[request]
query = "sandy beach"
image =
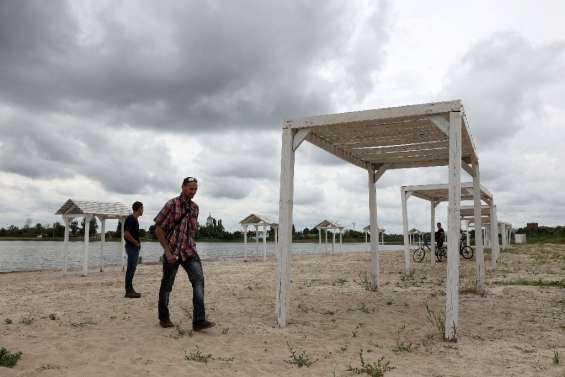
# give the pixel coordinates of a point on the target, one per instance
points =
(68, 325)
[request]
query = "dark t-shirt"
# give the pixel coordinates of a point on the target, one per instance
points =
(132, 226)
(440, 235)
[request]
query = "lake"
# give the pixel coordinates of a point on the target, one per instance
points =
(49, 255)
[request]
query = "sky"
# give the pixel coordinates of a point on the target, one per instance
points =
(119, 101)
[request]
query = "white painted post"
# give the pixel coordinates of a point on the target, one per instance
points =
(454, 224)
(122, 222)
(340, 241)
(326, 243)
(404, 199)
(433, 205)
(66, 244)
(375, 268)
(504, 235)
(320, 240)
(479, 250)
(333, 242)
(285, 224)
(276, 235)
(102, 240)
(264, 243)
(367, 241)
(467, 233)
(256, 240)
(86, 239)
(495, 248)
(245, 241)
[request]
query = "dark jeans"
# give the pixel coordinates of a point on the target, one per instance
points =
(133, 255)
(193, 268)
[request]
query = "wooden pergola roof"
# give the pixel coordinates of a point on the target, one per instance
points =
(327, 224)
(468, 211)
(77, 208)
(255, 219)
(396, 137)
(440, 192)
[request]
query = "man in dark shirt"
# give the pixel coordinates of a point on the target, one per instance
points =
(133, 245)
(175, 227)
(440, 235)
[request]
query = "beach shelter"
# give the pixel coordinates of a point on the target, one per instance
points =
(87, 210)
(258, 222)
(437, 193)
(333, 228)
(415, 236)
(367, 231)
(415, 136)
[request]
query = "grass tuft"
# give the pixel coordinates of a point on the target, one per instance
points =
(533, 282)
(556, 357)
(374, 369)
(436, 320)
(299, 359)
(8, 359)
(198, 356)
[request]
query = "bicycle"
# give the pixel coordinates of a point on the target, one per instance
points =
(465, 251)
(419, 253)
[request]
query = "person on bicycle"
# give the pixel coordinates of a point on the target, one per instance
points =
(440, 236)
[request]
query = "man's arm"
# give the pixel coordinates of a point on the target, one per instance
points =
(160, 233)
(129, 237)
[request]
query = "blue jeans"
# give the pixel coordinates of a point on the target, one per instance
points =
(193, 268)
(133, 255)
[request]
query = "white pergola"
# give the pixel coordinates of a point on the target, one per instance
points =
(333, 227)
(258, 222)
(367, 231)
(433, 134)
(414, 238)
(437, 193)
(489, 223)
(87, 210)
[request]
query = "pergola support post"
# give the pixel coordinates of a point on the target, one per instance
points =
(122, 222)
(495, 248)
(375, 268)
(333, 242)
(479, 250)
(66, 243)
(264, 243)
(433, 205)
(245, 241)
(320, 240)
(454, 225)
(102, 241)
(285, 224)
(404, 198)
(86, 240)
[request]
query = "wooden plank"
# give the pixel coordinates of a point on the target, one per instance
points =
(375, 268)
(102, 241)
(384, 141)
(454, 224)
(66, 243)
(314, 139)
(404, 198)
(86, 239)
(379, 173)
(122, 221)
(402, 148)
(285, 228)
(494, 237)
(441, 123)
(300, 137)
(378, 114)
(479, 252)
(433, 205)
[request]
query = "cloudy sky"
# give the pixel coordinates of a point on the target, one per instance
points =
(109, 101)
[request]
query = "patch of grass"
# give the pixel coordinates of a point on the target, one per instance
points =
(301, 359)
(473, 291)
(400, 345)
(8, 359)
(555, 357)
(533, 282)
(366, 282)
(182, 331)
(374, 369)
(225, 330)
(53, 317)
(8, 321)
(198, 356)
(436, 320)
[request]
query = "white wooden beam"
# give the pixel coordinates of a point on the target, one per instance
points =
(404, 198)
(495, 248)
(441, 123)
(467, 168)
(86, 240)
(245, 242)
(379, 173)
(454, 225)
(122, 222)
(317, 141)
(479, 251)
(66, 243)
(285, 227)
(102, 241)
(299, 137)
(375, 267)
(433, 205)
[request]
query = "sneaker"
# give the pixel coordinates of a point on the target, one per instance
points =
(132, 295)
(202, 325)
(166, 324)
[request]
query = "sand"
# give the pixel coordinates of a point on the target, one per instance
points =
(68, 325)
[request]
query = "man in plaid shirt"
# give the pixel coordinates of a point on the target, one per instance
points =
(175, 227)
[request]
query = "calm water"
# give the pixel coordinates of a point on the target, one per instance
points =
(45, 255)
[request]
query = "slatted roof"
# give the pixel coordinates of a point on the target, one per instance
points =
(256, 219)
(327, 224)
(468, 211)
(396, 137)
(107, 210)
(440, 192)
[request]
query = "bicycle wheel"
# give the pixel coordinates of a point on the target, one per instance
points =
(441, 254)
(419, 254)
(467, 252)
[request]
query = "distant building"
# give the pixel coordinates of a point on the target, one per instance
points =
(210, 220)
(532, 226)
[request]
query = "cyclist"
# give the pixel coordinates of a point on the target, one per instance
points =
(440, 236)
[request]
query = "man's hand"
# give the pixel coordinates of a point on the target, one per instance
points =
(170, 257)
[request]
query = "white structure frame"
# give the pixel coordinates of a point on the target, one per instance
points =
(488, 216)
(434, 134)
(259, 222)
(437, 193)
(367, 231)
(87, 210)
(332, 227)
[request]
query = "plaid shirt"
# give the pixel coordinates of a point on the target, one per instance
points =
(181, 238)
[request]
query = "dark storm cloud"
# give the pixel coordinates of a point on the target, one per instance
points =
(185, 66)
(501, 81)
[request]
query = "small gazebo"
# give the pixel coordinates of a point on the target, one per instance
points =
(415, 237)
(333, 227)
(258, 222)
(88, 210)
(381, 231)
